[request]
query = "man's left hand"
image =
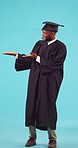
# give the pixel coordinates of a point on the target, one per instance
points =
(33, 55)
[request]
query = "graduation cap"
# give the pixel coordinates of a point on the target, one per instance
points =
(51, 26)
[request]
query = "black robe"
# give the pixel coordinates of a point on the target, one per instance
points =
(44, 82)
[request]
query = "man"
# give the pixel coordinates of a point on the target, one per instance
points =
(46, 73)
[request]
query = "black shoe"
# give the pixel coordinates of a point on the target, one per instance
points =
(30, 142)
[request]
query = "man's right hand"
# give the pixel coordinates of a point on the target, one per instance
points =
(10, 53)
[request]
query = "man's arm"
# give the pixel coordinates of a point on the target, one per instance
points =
(20, 63)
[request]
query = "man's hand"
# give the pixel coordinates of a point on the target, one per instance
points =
(10, 53)
(32, 55)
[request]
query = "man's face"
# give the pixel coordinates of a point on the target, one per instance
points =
(46, 35)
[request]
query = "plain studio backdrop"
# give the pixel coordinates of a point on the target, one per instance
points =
(20, 28)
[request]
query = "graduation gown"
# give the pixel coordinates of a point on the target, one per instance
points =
(44, 82)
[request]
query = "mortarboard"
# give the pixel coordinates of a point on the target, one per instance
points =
(51, 26)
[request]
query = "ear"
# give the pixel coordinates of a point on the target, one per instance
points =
(52, 33)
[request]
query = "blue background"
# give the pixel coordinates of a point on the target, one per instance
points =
(20, 28)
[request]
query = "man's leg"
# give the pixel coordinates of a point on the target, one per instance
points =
(51, 134)
(52, 138)
(32, 132)
(32, 136)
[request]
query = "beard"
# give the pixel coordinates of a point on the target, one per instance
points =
(48, 38)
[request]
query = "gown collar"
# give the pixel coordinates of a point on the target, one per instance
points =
(52, 41)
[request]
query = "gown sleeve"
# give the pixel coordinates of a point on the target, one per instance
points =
(22, 63)
(25, 63)
(54, 61)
